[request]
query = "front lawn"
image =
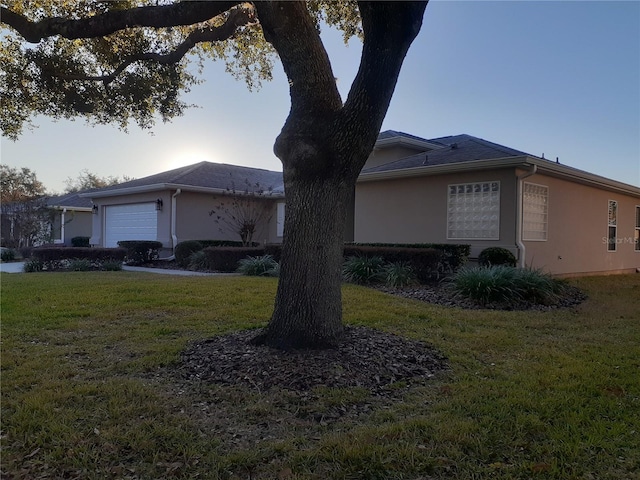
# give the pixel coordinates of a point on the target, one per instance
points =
(91, 387)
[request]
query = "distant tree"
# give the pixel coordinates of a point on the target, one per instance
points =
(25, 220)
(19, 185)
(243, 212)
(87, 180)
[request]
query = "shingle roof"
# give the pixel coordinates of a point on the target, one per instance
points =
(455, 149)
(211, 175)
(71, 200)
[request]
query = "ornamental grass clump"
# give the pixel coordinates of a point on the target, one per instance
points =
(262, 266)
(507, 285)
(398, 274)
(363, 270)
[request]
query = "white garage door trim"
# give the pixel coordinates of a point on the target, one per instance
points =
(137, 221)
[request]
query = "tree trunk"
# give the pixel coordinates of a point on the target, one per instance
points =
(308, 306)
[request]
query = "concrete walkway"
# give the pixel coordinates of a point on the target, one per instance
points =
(17, 267)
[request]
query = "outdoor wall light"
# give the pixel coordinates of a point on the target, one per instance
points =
(159, 204)
(94, 209)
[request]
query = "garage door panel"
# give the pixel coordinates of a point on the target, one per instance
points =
(130, 222)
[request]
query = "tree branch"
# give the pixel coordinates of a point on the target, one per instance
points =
(182, 13)
(238, 17)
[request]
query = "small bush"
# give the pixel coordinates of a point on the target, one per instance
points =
(198, 261)
(496, 256)
(185, 249)
(33, 265)
(363, 270)
(140, 252)
(261, 266)
(398, 274)
(80, 242)
(7, 255)
(111, 266)
(80, 265)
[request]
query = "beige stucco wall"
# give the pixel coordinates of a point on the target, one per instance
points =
(77, 224)
(578, 227)
(414, 209)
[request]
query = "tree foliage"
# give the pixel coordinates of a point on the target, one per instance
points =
(87, 180)
(19, 184)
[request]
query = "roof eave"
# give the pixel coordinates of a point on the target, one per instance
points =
(158, 187)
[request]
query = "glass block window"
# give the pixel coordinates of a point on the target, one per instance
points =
(637, 231)
(473, 211)
(535, 211)
(613, 226)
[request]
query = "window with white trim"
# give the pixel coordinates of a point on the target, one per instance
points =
(612, 226)
(637, 231)
(473, 211)
(535, 211)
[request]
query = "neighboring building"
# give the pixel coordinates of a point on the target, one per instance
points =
(175, 206)
(462, 189)
(458, 189)
(71, 217)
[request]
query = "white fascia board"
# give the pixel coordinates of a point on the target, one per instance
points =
(75, 209)
(161, 187)
(447, 168)
(580, 176)
(544, 167)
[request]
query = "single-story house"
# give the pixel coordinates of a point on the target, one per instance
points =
(196, 202)
(462, 189)
(71, 217)
(458, 189)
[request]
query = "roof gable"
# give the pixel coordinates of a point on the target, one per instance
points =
(206, 175)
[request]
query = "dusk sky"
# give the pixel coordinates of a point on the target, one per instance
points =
(559, 78)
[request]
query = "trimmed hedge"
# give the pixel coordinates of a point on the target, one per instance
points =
(141, 251)
(185, 249)
(225, 259)
(47, 254)
(74, 258)
(454, 255)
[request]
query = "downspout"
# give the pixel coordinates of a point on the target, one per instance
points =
(174, 235)
(519, 196)
(62, 219)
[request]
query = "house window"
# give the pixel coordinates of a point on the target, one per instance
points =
(535, 211)
(637, 231)
(613, 226)
(473, 211)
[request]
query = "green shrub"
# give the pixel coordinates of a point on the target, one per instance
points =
(507, 285)
(427, 263)
(52, 254)
(198, 261)
(185, 249)
(261, 266)
(111, 266)
(140, 252)
(80, 265)
(33, 265)
(225, 259)
(496, 256)
(363, 270)
(80, 242)
(7, 255)
(398, 274)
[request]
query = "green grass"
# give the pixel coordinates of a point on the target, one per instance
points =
(86, 394)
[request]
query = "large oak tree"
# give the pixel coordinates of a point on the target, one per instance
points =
(117, 61)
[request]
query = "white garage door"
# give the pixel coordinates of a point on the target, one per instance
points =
(137, 221)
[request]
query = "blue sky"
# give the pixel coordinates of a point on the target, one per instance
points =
(559, 78)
